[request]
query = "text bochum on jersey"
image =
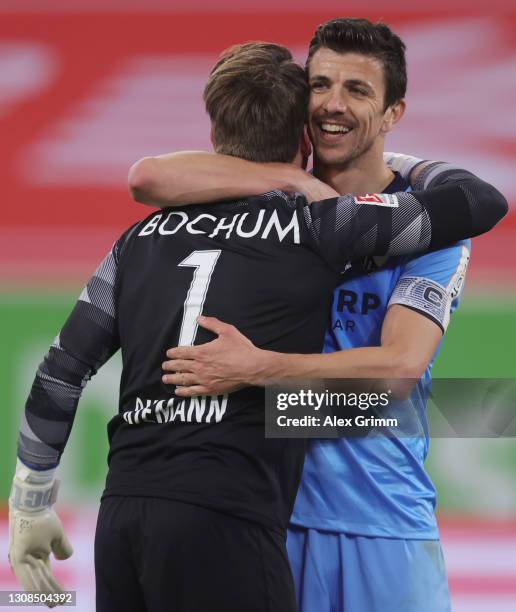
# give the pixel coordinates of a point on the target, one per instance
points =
(266, 225)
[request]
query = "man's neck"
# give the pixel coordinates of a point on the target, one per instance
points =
(359, 177)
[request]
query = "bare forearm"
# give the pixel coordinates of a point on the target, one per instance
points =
(368, 362)
(196, 177)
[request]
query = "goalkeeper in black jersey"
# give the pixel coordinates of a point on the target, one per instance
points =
(197, 501)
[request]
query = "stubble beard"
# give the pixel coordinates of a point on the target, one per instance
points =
(348, 159)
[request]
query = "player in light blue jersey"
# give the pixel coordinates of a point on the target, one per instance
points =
(363, 536)
(363, 533)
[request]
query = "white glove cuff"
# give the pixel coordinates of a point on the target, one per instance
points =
(33, 490)
(399, 162)
(32, 497)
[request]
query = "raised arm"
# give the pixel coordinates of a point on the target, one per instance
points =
(449, 204)
(197, 177)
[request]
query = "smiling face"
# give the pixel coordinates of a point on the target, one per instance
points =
(347, 115)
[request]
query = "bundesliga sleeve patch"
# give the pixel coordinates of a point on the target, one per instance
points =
(378, 199)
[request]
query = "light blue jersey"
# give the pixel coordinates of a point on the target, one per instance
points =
(378, 486)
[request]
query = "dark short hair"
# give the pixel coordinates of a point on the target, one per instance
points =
(373, 39)
(257, 98)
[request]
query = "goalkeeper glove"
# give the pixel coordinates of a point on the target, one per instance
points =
(404, 164)
(35, 529)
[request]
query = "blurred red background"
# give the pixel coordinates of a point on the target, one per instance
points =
(89, 86)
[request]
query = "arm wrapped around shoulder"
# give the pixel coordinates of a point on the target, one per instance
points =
(487, 205)
(459, 210)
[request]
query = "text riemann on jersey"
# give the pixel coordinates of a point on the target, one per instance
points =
(203, 409)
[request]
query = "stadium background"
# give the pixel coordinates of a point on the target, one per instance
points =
(88, 89)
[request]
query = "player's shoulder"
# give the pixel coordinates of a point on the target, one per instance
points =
(446, 266)
(125, 237)
(397, 184)
(446, 256)
(276, 197)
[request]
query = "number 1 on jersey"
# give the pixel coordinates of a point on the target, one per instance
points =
(204, 263)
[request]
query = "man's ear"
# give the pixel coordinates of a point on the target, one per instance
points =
(392, 115)
(212, 137)
(305, 147)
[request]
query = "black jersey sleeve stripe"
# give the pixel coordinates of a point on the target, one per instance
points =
(454, 205)
(88, 339)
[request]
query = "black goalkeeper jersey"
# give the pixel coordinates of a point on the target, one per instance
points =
(253, 264)
(268, 265)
